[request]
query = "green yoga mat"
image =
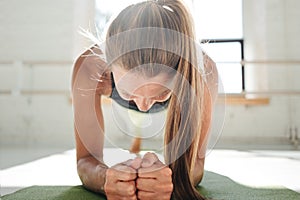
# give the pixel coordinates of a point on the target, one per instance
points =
(213, 186)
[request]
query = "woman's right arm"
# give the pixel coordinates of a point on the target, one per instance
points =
(91, 80)
(88, 121)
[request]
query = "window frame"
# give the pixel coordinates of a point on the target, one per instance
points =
(233, 40)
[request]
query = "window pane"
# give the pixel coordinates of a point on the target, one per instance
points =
(230, 73)
(218, 19)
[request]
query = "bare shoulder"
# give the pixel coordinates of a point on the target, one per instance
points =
(90, 71)
(211, 75)
(210, 67)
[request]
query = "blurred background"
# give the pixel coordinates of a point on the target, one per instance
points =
(255, 44)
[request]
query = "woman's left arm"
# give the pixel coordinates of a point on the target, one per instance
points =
(210, 97)
(199, 162)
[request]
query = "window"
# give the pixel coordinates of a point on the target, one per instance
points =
(228, 53)
(218, 25)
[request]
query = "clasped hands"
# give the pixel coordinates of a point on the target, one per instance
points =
(140, 178)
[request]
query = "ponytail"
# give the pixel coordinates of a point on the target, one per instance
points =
(185, 113)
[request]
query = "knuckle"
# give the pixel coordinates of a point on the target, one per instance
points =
(167, 197)
(128, 176)
(131, 190)
(107, 188)
(128, 170)
(131, 198)
(146, 195)
(167, 171)
(167, 188)
(170, 188)
(140, 171)
(157, 187)
(109, 173)
(140, 195)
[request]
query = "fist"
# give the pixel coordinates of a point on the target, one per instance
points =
(120, 180)
(154, 179)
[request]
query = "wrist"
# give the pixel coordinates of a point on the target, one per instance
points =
(101, 177)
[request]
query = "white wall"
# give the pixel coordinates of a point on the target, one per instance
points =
(271, 33)
(39, 42)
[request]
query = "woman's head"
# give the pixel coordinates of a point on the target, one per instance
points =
(147, 45)
(147, 35)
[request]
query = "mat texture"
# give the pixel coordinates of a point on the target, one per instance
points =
(213, 186)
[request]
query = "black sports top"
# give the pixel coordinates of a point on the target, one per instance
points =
(157, 107)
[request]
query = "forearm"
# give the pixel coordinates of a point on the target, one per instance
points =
(92, 173)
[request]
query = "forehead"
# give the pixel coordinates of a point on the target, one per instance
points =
(132, 80)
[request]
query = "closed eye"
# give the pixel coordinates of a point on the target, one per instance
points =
(163, 96)
(126, 96)
(160, 98)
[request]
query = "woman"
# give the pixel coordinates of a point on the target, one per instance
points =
(151, 64)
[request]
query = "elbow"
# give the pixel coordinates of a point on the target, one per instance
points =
(84, 168)
(81, 169)
(198, 179)
(198, 172)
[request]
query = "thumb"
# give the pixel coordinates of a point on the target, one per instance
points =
(149, 159)
(136, 163)
(133, 163)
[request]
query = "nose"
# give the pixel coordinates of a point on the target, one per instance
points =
(144, 104)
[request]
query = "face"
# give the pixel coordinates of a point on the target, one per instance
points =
(143, 91)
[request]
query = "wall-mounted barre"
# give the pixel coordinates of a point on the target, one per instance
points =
(68, 92)
(242, 62)
(37, 63)
(262, 62)
(265, 93)
(35, 92)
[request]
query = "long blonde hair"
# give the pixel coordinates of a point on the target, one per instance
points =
(185, 115)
